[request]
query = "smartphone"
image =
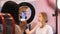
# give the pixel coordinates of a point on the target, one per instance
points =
(23, 16)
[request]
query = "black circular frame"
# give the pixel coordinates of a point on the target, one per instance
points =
(32, 10)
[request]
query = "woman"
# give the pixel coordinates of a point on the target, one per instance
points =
(42, 27)
(12, 8)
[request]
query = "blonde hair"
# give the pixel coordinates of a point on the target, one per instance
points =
(44, 15)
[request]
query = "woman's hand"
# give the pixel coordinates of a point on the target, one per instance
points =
(30, 32)
(27, 31)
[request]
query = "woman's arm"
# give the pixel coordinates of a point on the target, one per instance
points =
(30, 32)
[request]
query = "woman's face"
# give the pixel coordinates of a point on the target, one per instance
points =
(40, 18)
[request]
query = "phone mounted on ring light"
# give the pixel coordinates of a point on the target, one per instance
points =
(23, 16)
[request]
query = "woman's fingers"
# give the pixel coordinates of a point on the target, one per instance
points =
(27, 31)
